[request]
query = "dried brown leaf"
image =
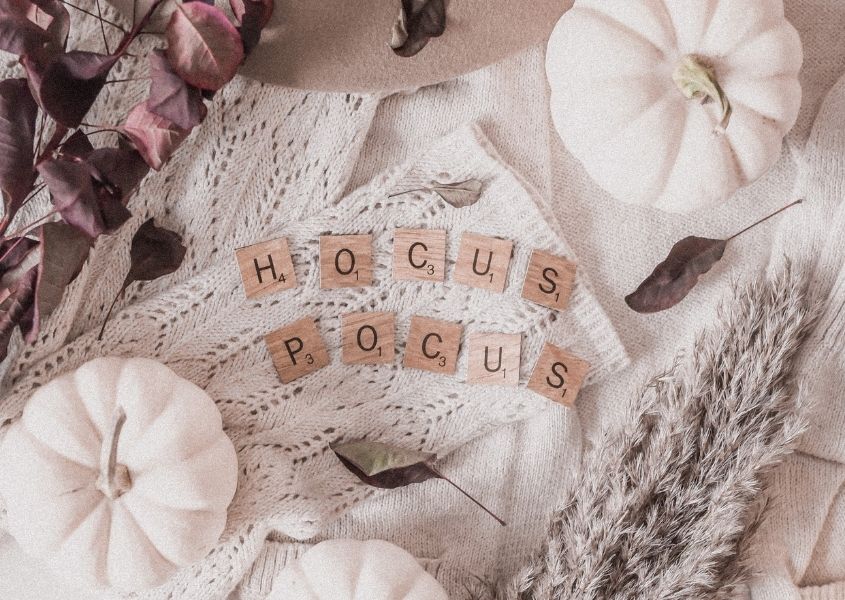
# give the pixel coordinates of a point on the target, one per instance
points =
(417, 23)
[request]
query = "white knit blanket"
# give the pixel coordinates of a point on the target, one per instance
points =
(205, 329)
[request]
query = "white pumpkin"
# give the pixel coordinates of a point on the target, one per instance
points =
(355, 570)
(674, 103)
(118, 473)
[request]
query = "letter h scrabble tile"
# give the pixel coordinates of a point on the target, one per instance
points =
(266, 267)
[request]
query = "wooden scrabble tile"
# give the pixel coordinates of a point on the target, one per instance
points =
(433, 345)
(346, 261)
(419, 254)
(483, 262)
(368, 337)
(548, 280)
(297, 349)
(493, 358)
(266, 267)
(558, 375)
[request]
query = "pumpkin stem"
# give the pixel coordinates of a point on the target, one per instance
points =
(698, 81)
(114, 480)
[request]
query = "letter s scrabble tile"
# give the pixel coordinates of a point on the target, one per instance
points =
(558, 375)
(548, 280)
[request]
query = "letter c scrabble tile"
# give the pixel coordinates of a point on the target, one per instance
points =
(483, 262)
(297, 349)
(558, 375)
(419, 254)
(493, 358)
(433, 345)
(266, 267)
(346, 261)
(548, 280)
(368, 337)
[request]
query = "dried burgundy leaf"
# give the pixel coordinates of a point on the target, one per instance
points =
(63, 250)
(689, 259)
(77, 145)
(155, 137)
(16, 302)
(673, 278)
(155, 252)
(204, 48)
(19, 35)
(90, 207)
(13, 251)
(418, 22)
(171, 97)
(120, 170)
(71, 83)
(253, 16)
(18, 112)
(388, 467)
(53, 17)
(240, 8)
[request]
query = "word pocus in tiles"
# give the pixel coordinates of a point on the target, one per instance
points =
(433, 345)
(297, 349)
(493, 358)
(368, 338)
(266, 267)
(346, 261)
(558, 375)
(549, 280)
(483, 262)
(419, 255)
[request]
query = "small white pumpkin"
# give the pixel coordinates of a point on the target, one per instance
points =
(118, 473)
(674, 103)
(355, 570)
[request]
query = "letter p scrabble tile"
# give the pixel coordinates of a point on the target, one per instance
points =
(297, 349)
(549, 280)
(494, 358)
(419, 254)
(483, 262)
(346, 261)
(433, 345)
(558, 375)
(368, 337)
(266, 267)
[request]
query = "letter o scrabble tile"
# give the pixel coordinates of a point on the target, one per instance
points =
(266, 267)
(297, 349)
(368, 337)
(433, 345)
(558, 375)
(346, 261)
(419, 254)
(483, 262)
(493, 358)
(549, 280)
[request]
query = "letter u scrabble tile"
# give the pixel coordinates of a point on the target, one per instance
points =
(558, 375)
(266, 267)
(493, 358)
(297, 349)
(483, 262)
